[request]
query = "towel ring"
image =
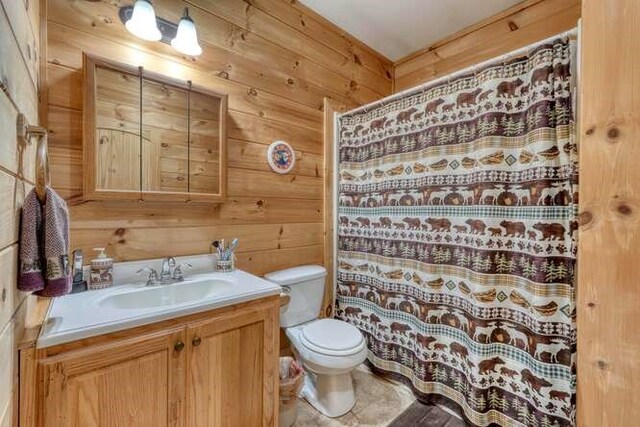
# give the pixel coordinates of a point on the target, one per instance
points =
(25, 132)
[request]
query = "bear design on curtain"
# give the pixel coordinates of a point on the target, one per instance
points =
(457, 239)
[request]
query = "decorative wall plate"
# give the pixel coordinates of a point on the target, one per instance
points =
(281, 157)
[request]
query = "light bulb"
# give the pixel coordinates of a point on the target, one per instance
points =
(143, 21)
(186, 39)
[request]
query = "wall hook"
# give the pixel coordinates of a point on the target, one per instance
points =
(25, 131)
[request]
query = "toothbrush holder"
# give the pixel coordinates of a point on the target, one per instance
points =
(227, 266)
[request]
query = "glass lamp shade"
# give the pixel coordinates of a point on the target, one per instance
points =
(186, 40)
(143, 21)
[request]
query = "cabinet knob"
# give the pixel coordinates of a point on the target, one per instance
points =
(179, 346)
(196, 341)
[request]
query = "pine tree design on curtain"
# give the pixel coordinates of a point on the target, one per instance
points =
(457, 239)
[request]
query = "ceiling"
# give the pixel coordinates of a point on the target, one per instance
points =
(396, 28)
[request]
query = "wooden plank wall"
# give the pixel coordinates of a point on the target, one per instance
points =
(19, 50)
(277, 61)
(609, 244)
(513, 28)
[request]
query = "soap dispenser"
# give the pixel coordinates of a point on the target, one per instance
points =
(101, 270)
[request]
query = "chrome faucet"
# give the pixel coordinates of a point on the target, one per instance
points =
(178, 274)
(168, 266)
(152, 279)
(170, 272)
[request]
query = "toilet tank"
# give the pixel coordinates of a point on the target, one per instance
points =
(305, 285)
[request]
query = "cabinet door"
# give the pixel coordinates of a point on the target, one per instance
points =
(131, 382)
(232, 370)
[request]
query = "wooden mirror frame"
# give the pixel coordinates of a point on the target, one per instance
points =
(90, 189)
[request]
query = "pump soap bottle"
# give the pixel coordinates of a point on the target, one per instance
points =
(101, 270)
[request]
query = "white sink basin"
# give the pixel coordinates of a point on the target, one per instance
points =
(130, 303)
(166, 295)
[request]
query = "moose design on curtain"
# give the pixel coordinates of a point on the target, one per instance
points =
(457, 239)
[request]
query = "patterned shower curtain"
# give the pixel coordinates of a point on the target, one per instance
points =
(457, 239)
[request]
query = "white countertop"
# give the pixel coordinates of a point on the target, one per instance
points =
(92, 313)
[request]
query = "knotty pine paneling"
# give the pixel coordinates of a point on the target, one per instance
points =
(609, 236)
(19, 78)
(298, 16)
(235, 211)
(260, 23)
(277, 61)
(126, 242)
(250, 155)
(518, 26)
(11, 296)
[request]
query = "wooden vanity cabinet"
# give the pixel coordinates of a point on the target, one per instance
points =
(218, 368)
(228, 370)
(136, 381)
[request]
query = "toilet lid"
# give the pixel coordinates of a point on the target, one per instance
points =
(332, 337)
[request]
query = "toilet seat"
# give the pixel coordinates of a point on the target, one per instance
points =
(332, 337)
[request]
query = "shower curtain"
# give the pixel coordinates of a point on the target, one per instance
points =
(457, 238)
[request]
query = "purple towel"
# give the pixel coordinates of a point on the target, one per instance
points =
(44, 246)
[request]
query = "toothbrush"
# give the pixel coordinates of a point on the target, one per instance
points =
(225, 254)
(232, 247)
(228, 252)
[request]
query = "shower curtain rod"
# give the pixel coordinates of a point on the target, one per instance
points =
(419, 88)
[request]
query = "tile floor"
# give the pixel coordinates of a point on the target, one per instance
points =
(379, 402)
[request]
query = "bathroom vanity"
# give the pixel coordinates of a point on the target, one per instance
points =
(202, 352)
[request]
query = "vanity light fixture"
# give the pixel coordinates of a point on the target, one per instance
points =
(186, 39)
(143, 21)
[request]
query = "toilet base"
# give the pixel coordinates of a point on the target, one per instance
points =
(333, 395)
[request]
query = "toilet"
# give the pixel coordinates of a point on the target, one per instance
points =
(328, 348)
